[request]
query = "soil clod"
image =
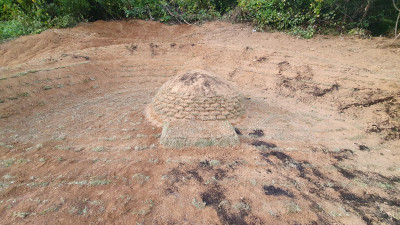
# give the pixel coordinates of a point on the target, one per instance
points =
(272, 190)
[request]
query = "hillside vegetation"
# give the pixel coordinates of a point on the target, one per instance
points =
(299, 17)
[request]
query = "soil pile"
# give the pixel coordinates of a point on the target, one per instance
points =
(198, 95)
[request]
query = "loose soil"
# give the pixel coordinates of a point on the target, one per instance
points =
(320, 141)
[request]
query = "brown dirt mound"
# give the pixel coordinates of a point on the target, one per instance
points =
(197, 95)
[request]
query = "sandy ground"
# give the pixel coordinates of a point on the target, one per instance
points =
(320, 139)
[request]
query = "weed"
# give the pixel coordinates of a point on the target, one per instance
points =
(197, 204)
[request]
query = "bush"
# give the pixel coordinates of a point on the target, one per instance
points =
(299, 17)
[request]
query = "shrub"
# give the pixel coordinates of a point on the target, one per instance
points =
(296, 15)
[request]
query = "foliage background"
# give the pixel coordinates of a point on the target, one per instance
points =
(299, 17)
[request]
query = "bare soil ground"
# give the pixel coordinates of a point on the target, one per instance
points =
(320, 141)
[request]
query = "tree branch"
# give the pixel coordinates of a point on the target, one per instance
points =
(397, 23)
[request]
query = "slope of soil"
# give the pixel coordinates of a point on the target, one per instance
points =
(319, 141)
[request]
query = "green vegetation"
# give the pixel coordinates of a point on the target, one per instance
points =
(299, 17)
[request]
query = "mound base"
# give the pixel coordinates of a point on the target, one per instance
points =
(183, 133)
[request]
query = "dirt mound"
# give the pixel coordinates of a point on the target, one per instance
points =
(198, 95)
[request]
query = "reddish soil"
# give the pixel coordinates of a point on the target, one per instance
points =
(320, 141)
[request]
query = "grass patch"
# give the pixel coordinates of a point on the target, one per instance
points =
(140, 178)
(8, 162)
(98, 149)
(146, 209)
(99, 182)
(293, 208)
(198, 204)
(21, 214)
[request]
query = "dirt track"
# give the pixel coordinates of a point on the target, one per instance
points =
(320, 141)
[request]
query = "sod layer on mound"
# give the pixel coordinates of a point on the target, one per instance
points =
(186, 133)
(197, 95)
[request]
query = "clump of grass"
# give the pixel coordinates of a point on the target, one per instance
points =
(140, 178)
(293, 208)
(212, 180)
(47, 87)
(99, 182)
(23, 94)
(98, 149)
(49, 210)
(109, 138)
(62, 147)
(214, 162)
(146, 210)
(8, 162)
(82, 182)
(21, 214)
(241, 206)
(153, 160)
(141, 148)
(198, 204)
